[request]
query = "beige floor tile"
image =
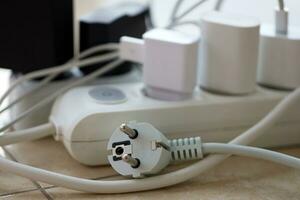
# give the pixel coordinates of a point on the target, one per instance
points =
(25, 196)
(51, 155)
(236, 178)
(10, 183)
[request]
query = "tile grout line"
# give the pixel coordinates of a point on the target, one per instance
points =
(43, 190)
(37, 185)
(17, 192)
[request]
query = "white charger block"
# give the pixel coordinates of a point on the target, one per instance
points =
(229, 53)
(279, 58)
(170, 64)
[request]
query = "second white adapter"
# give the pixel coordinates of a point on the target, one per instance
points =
(229, 53)
(279, 58)
(170, 62)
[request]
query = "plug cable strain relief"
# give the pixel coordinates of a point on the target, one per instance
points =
(281, 20)
(185, 149)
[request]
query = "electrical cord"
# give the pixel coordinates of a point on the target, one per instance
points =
(51, 97)
(254, 152)
(281, 4)
(219, 4)
(67, 66)
(44, 82)
(175, 10)
(155, 182)
(190, 9)
(44, 72)
(186, 12)
(34, 133)
(175, 150)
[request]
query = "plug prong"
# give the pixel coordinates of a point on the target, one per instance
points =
(133, 162)
(132, 133)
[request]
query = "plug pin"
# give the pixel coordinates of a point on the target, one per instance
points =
(133, 162)
(132, 133)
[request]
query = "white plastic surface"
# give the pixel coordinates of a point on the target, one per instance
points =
(42, 116)
(228, 54)
(279, 58)
(170, 62)
(85, 125)
(152, 159)
(132, 49)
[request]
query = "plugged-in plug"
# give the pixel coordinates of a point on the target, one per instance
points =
(139, 149)
(170, 62)
(279, 47)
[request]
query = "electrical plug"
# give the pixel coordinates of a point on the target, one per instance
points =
(170, 60)
(138, 149)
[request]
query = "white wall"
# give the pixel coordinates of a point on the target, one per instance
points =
(263, 9)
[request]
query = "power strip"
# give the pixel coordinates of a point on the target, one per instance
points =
(42, 116)
(86, 117)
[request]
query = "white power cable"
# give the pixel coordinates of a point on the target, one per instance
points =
(218, 5)
(51, 97)
(44, 82)
(190, 9)
(281, 4)
(160, 181)
(27, 134)
(253, 152)
(175, 10)
(176, 19)
(67, 66)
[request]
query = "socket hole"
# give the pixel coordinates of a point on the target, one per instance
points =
(119, 151)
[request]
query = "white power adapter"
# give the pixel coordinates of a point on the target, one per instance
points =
(279, 60)
(170, 62)
(229, 52)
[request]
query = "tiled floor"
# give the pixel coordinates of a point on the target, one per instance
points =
(236, 178)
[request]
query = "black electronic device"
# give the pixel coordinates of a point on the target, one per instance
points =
(35, 34)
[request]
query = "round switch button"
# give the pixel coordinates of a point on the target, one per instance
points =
(107, 95)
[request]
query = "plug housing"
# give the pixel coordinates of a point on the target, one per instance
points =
(229, 53)
(139, 149)
(170, 62)
(148, 152)
(279, 61)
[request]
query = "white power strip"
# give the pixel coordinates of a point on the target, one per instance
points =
(86, 117)
(42, 116)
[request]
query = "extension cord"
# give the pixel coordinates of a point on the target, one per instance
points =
(42, 117)
(85, 117)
